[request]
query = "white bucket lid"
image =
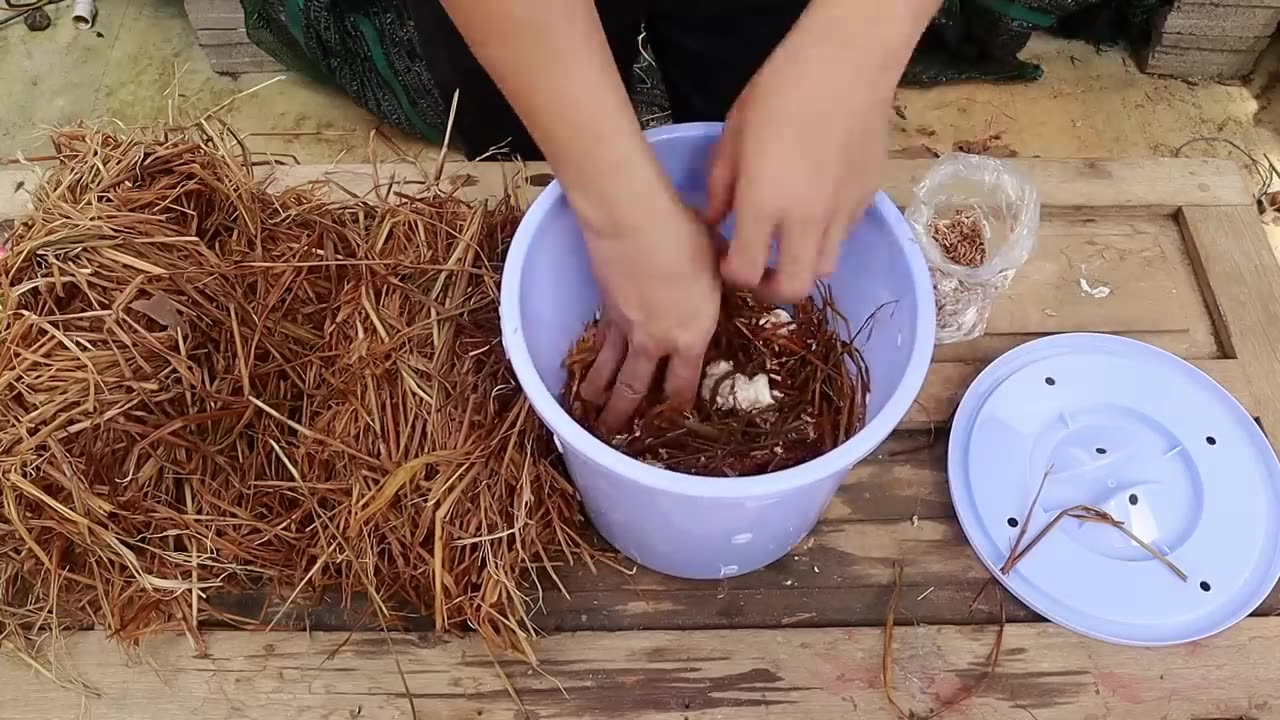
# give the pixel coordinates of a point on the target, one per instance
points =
(1146, 437)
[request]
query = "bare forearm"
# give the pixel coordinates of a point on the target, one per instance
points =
(551, 60)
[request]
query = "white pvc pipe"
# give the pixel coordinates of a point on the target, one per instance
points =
(83, 13)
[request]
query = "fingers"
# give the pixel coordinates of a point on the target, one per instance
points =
(829, 257)
(613, 348)
(837, 233)
(722, 177)
(744, 265)
(833, 241)
(633, 383)
(684, 375)
(801, 245)
(622, 389)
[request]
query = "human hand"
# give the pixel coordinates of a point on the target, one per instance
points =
(802, 154)
(661, 302)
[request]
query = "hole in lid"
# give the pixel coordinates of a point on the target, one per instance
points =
(1204, 586)
(1133, 499)
(1211, 440)
(1050, 381)
(1100, 451)
(1013, 522)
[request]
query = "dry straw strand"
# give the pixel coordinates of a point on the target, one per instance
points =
(992, 659)
(1083, 513)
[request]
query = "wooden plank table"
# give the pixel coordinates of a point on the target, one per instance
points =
(1179, 244)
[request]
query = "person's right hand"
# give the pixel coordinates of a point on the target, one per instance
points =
(661, 288)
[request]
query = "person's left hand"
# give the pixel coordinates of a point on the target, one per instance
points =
(801, 158)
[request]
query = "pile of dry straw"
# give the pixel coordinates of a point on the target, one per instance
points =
(207, 386)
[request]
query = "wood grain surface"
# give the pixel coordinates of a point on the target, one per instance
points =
(1153, 186)
(1241, 283)
(1045, 673)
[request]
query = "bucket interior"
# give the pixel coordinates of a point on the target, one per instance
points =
(559, 295)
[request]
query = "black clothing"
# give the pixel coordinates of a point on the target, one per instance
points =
(706, 51)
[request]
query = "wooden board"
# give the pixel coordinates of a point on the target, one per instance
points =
(1179, 244)
(1045, 673)
(1083, 188)
(1231, 253)
(1130, 256)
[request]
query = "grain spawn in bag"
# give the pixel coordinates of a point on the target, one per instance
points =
(976, 220)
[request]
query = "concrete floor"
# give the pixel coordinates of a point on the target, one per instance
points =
(124, 67)
(1089, 104)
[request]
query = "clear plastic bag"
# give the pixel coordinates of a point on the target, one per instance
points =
(957, 191)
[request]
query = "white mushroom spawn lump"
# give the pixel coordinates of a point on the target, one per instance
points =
(730, 390)
(778, 318)
(727, 389)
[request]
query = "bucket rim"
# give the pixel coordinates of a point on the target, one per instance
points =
(566, 430)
